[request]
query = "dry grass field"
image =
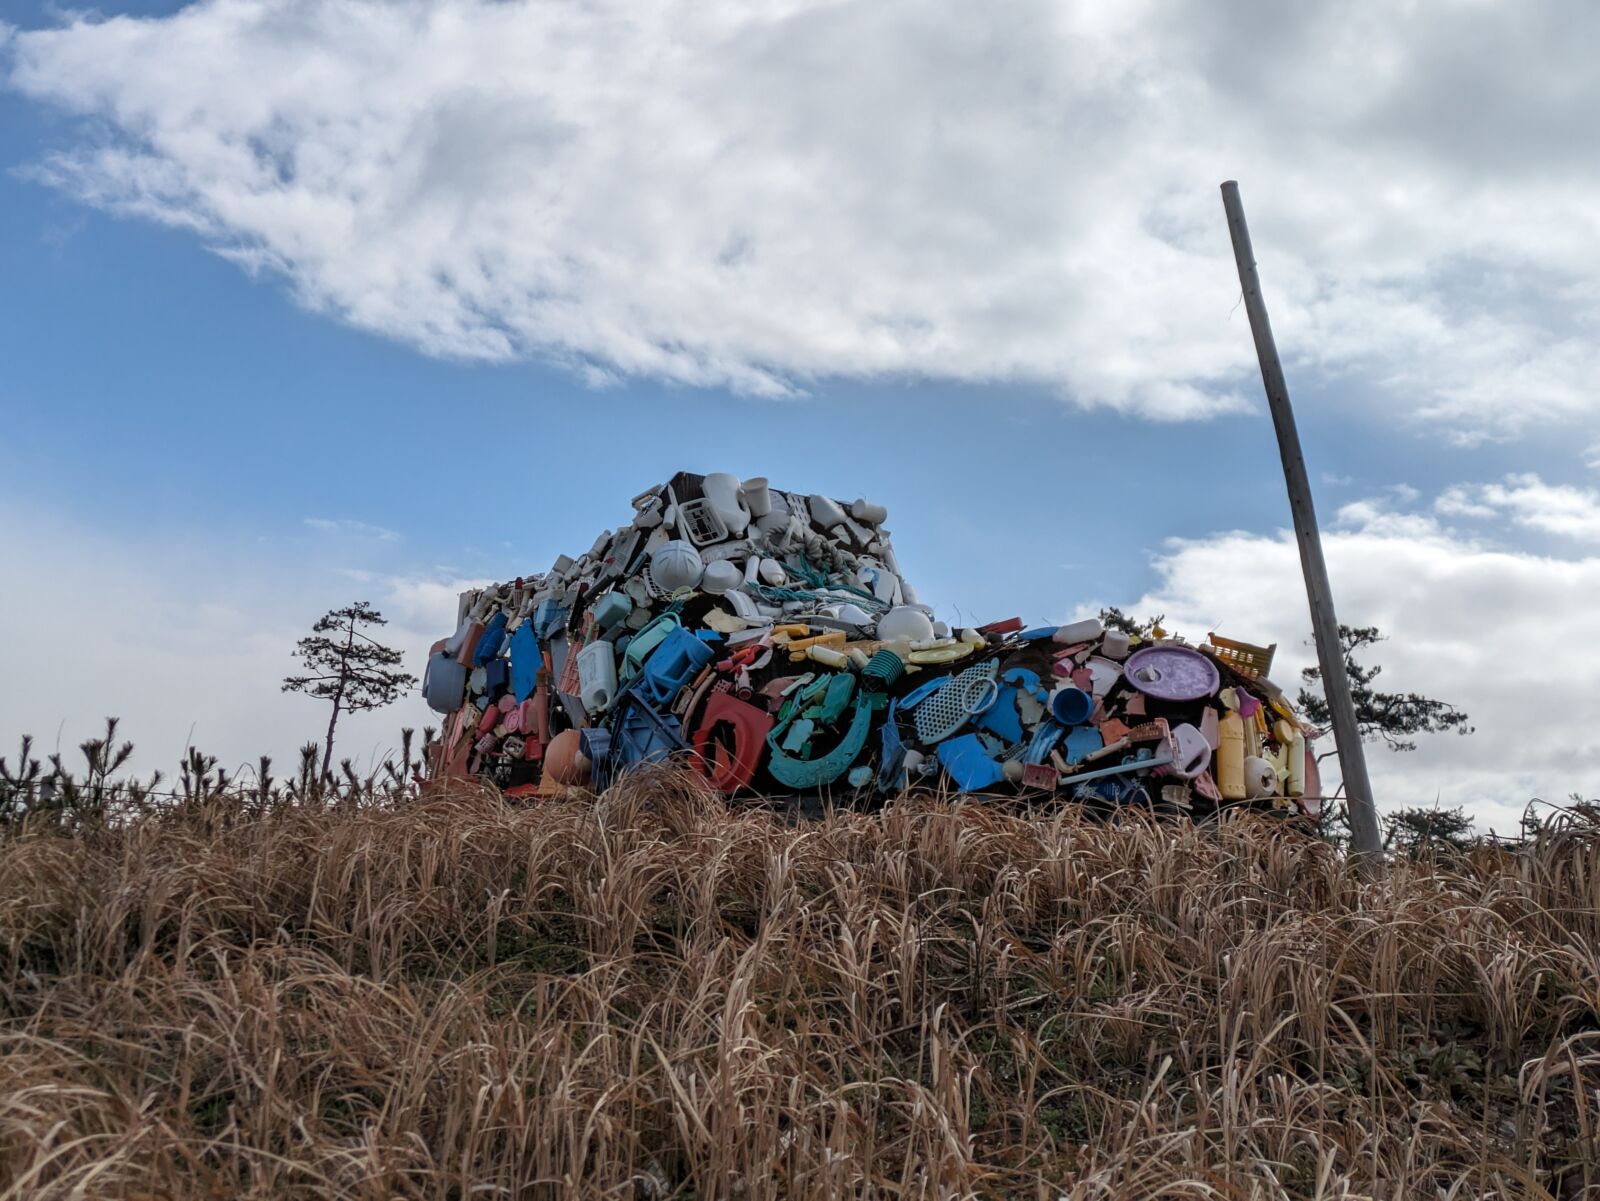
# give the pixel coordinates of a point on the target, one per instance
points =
(649, 996)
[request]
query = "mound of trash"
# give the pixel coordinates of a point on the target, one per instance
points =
(769, 640)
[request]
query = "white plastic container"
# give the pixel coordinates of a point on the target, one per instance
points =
(1086, 630)
(1116, 645)
(722, 490)
(597, 676)
(825, 513)
(865, 510)
(757, 498)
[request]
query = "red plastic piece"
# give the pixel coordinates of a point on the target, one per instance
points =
(1039, 775)
(1011, 625)
(474, 632)
(729, 740)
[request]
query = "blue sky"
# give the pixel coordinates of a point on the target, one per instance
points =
(203, 413)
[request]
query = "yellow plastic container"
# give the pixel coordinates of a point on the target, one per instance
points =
(1230, 757)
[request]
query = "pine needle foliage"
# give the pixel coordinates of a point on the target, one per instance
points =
(348, 667)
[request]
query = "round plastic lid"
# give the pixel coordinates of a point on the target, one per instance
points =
(1172, 673)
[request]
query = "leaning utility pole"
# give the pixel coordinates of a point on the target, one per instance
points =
(1324, 625)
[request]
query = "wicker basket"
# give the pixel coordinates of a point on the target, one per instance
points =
(1250, 661)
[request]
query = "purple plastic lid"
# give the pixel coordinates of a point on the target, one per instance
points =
(1172, 673)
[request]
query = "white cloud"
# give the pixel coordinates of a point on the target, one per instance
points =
(758, 195)
(1491, 631)
(349, 527)
(1529, 502)
(187, 641)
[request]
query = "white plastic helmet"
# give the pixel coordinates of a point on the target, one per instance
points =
(676, 564)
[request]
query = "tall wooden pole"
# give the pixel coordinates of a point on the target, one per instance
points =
(1324, 625)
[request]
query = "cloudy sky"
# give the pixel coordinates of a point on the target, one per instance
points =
(309, 300)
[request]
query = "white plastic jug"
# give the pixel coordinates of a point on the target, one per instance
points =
(1086, 630)
(722, 490)
(597, 676)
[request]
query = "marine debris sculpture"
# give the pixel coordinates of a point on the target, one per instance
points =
(769, 640)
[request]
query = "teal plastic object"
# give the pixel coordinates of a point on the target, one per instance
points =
(968, 764)
(812, 773)
(836, 697)
(611, 608)
(882, 671)
(645, 641)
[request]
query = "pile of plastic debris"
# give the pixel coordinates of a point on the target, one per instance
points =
(769, 639)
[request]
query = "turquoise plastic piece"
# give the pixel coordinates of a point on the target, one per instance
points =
(811, 773)
(645, 641)
(836, 697)
(882, 670)
(611, 608)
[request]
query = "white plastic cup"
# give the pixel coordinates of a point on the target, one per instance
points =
(757, 496)
(865, 510)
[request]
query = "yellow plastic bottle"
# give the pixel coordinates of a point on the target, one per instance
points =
(1230, 757)
(1294, 744)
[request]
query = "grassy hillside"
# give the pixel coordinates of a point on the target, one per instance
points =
(649, 997)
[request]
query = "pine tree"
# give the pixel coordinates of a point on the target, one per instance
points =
(348, 668)
(1393, 717)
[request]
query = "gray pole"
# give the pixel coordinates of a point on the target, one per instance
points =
(1324, 625)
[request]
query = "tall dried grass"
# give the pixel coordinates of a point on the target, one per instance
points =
(650, 996)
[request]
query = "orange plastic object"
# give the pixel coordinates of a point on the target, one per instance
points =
(1250, 661)
(1111, 729)
(729, 740)
(564, 760)
(469, 644)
